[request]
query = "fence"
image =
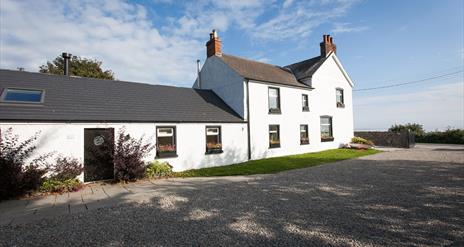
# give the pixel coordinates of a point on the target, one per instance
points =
(403, 139)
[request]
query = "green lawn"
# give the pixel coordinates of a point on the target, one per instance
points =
(274, 165)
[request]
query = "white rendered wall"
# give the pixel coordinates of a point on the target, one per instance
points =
(322, 101)
(67, 139)
(325, 81)
(225, 82)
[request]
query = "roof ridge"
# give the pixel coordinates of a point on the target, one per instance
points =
(96, 79)
(306, 60)
(255, 61)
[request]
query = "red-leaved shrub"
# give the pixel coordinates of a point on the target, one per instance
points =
(16, 176)
(128, 156)
(66, 168)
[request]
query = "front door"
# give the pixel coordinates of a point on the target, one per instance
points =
(98, 154)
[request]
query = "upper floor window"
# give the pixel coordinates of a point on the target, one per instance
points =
(305, 103)
(340, 98)
(14, 95)
(274, 136)
(326, 129)
(304, 135)
(213, 140)
(274, 100)
(166, 142)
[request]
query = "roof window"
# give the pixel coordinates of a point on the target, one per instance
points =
(16, 95)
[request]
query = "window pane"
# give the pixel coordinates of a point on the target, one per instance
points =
(305, 100)
(22, 95)
(340, 95)
(165, 131)
(273, 98)
(165, 142)
(304, 135)
(213, 139)
(325, 120)
(326, 127)
(274, 138)
(212, 131)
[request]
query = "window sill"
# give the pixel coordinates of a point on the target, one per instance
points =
(275, 111)
(305, 109)
(340, 105)
(166, 155)
(274, 146)
(214, 151)
(328, 139)
(304, 143)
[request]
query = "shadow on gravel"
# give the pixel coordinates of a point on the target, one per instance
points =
(354, 202)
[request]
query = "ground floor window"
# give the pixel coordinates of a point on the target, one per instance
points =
(274, 136)
(326, 129)
(213, 140)
(166, 142)
(304, 136)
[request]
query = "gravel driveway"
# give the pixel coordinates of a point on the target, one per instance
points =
(396, 198)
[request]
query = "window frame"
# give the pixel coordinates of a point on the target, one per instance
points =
(5, 92)
(168, 154)
(305, 107)
(307, 134)
(277, 145)
(273, 110)
(330, 138)
(213, 150)
(340, 104)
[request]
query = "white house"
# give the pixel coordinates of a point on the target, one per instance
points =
(238, 109)
(303, 107)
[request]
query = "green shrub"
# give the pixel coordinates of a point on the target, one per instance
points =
(361, 140)
(449, 136)
(158, 169)
(416, 129)
(53, 185)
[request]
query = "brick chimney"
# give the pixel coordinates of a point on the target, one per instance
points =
(213, 46)
(327, 45)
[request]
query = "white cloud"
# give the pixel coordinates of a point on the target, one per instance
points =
(122, 35)
(118, 33)
(347, 28)
(437, 107)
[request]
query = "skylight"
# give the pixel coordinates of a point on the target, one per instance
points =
(16, 95)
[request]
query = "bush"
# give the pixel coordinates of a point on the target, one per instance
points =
(56, 186)
(66, 168)
(416, 129)
(128, 157)
(361, 140)
(449, 136)
(158, 169)
(16, 177)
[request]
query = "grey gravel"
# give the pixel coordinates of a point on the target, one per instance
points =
(401, 198)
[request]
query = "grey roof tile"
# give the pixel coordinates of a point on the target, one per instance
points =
(87, 99)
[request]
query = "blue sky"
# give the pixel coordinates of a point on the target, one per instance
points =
(158, 41)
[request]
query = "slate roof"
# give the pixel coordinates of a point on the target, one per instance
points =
(261, 71)
(86, 99)
(306, 68)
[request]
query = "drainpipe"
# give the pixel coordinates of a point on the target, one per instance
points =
(248, 118)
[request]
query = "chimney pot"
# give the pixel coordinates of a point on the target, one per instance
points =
(213, 46)
(327, 45)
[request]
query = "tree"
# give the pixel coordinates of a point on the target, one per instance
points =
(416, 129)
(79, 67)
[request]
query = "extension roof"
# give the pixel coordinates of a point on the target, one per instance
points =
(87, 99)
